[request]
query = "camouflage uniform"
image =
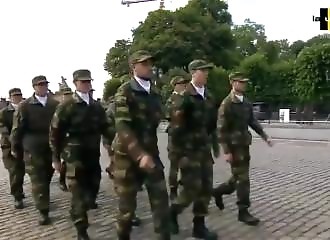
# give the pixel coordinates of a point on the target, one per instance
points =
(66, 93)
(174, 152)
(15, 166)
(137, 115)
(75, 134)
(234, 119)
(31, 124)
(192, 124)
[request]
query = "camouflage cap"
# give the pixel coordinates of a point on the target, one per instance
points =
(178, 80)
(66, 90)
(237, 76)
(39, 79)
(82, 75)
(15, 92)
(140, 56)
(199, 64)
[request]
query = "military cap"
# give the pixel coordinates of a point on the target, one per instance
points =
(65, 90)
(15, 92)
(39, 79)
(237, 76)
(178, 80)
(199, 64)
(140, 56)
(82, 75)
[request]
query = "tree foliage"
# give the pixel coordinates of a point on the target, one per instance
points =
(280, 72)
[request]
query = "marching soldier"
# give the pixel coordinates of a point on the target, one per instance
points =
(138, 113)
(76, 131)
(192, 124)
(31, 129)
(66, 92)
(235, 116)
(15, 166)
(179, 83)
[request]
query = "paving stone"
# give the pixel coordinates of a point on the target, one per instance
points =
(289, 192)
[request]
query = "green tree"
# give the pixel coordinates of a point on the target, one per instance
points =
(110, 87)
(176, 38)
(218, 83)
(116, 61)
(312, 67)
(256, 68)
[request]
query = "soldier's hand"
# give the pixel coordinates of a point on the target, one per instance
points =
(269, 142)
(228, 157)
(57, 166)
(147, 162)
(14, 154)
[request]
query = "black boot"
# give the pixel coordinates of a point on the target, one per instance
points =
(201, 231)
(136, 221)
(124, 237)
(219, 201)
(245, 217)
(93, 205)
(44, 217)
(82, 233)
(19, 204)
(173, 193)
(174, 221)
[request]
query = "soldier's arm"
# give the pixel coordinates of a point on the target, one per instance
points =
(4, 131)
(256, 126)
(168, 112)
(178, 109)
(108, 126)
(223, 127)
(123, 122)
(57, 131)
(17, 131)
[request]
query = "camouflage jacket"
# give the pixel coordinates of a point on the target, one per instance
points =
(76, 127)
(168, 115)
(137, 116)
(31, 124)
(6, 124)
(110, 113)
(233, 121)
(193, 120)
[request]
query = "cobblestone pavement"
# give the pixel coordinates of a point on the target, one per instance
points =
(290, 193)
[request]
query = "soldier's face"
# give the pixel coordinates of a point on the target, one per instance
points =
(144, 69)
(41, 88)
(17, 98)
(200, 76)
(83, 86)
(239, 86)
(180, 87)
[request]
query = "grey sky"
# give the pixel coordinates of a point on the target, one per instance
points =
(56, 37)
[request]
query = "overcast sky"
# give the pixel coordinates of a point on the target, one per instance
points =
(56, 37)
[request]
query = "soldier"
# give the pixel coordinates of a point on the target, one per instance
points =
(15, 166)
(179, 84)
(193, 123)
(136, 221)
(31, 129)
(235, 116)
(138, 113)
(66, 93)
(76, 131)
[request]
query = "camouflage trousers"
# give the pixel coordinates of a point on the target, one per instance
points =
(239, 180)
(16, 171)
(83, 178)
(197, 180)
(127, 181)
(62, 173)
(39, 168)
(174, 158)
